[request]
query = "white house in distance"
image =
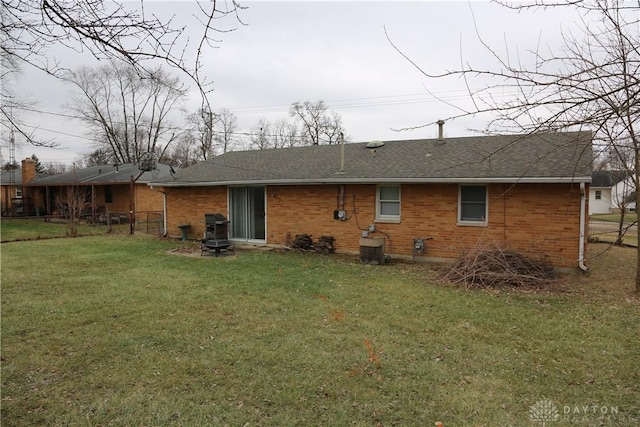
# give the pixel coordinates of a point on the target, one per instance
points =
(609, 191)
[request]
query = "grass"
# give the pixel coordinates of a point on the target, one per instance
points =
(114, 330)
(628, 239)
(13, 229)
(628, 217)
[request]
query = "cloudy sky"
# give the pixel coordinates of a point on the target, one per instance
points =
(334, 51)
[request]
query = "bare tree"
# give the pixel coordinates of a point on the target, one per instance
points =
(261, 135)
(54, 168)
(11, 103)
(592, 82)
(129, 114)
(107, 30)
(73, 202)
(201, 132)
(225, 128)
(285, 133)
(319, 126)
(100, 156)
(184, 152)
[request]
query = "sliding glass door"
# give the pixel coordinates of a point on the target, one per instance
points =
(247, 213)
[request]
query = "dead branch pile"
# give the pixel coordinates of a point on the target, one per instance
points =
(325, 244)
(496, 267)
(302, 242)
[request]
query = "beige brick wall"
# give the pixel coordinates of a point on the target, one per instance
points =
(148, 199)
(538, 219)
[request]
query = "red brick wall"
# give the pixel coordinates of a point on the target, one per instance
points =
(188, 206)
(535, 219)
(539, 219)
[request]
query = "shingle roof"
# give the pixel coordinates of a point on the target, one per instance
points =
(607, 179)
(14, 177)
(551, 157)
(11, 177)
(103, 175)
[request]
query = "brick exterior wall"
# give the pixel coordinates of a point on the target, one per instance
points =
(188, 206)
(145, 199)
(541, 220)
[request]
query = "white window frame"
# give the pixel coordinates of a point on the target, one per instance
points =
(18, 192)
(598, 194)
(469, 222)
(388, 218)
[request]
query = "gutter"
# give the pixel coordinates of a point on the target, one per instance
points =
(583, 203)
(321, 181)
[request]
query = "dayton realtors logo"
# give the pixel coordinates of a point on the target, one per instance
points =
(544, 411)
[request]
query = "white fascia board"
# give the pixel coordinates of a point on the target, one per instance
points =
(506, 180)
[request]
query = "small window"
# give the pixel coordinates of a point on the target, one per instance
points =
(472, 206)
(108, 195)
(598, 194)
(388, 206)
(18, 192)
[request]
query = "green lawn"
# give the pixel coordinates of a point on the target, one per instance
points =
(628, 217)
(12, 229)
(114, 330)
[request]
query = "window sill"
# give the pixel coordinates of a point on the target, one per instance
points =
(472, 224)
(388, 220)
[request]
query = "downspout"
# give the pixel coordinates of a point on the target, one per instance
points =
(164, 212)
(583, 203)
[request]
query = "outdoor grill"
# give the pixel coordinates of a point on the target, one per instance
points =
(216, 235)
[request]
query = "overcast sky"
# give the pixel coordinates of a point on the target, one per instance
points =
(335, 51)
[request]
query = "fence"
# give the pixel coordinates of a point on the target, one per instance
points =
(149, 222)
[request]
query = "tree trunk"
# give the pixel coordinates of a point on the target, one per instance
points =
(637, 235)
(620, 226)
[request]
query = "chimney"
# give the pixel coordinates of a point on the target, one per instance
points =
(440, 129)
(28, 170)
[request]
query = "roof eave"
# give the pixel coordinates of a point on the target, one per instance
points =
(338, 180)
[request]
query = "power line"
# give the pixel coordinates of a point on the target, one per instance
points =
(54, 131)
(361, 102)
(345, 103)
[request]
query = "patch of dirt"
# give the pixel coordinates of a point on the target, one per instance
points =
(188, 249)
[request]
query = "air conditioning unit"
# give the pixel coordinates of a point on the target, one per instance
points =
(372, 250)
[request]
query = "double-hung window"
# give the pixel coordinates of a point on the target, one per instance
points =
(472, 205)
(388, 203)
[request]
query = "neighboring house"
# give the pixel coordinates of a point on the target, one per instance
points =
(12, 198)
(609, 191)
(11, 192)
(623, 195)
(106, 188)
(527, 193)
(600, 191)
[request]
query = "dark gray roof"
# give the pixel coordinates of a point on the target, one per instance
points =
(607, 179)
(103, 175)
(14, 177)
(551, 157)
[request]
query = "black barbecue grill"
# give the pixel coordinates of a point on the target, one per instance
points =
(216, 235)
